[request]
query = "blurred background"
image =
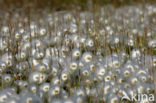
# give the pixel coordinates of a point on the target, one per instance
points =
(67, 4)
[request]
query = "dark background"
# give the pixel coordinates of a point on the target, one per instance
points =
(66, 4)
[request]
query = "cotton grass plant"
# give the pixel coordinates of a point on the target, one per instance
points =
(95, 55)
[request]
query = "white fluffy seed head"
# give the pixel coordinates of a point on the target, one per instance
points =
(130, 42)
(17, 36)
(64, 76)
(126, 72)
(154, 61)
(152, 43)
(5, 29)
(7, 79)
(36, 77)
(80, 92)
(85, 71)
(133, 80)
(87, 57)
(3, 44)
(8, 59)
(76, 53)
(114, 99)
(33, 88)
(34, 34)
(26, 37)
(89, 43)
(40, 68)
(42, 31)
(101, 71)
(3, 65)
(45, 87)
(3, 98)
(56, 81)
(73, 65)
(136, 53)
(55, 90)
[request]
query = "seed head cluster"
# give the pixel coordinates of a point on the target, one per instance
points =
(77, 56)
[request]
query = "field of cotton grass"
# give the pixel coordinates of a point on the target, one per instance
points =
(78, 56)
